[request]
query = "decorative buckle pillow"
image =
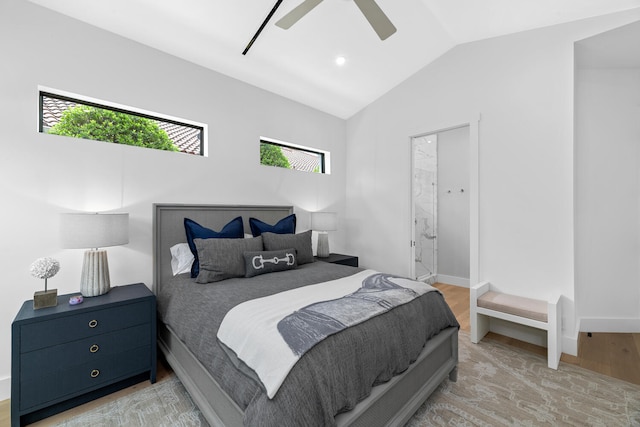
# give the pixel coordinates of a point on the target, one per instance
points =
(262, 262)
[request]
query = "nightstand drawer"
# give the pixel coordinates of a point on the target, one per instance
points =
(70, 355)
(56, 385)
(34, 336)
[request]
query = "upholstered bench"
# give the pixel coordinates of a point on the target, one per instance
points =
(545, 315)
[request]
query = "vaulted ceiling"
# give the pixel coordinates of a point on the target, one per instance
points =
(299, 63)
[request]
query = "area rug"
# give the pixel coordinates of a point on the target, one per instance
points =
(164, 404)
(497, 385)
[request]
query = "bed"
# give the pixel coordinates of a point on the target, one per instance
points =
(227, 398)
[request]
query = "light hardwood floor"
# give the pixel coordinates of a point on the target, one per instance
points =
(615, 355)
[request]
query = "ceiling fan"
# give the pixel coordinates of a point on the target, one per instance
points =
(369, 8)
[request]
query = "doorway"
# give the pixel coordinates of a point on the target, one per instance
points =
(441, 206)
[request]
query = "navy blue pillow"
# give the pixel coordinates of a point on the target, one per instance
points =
(233, 230)
(286, 225)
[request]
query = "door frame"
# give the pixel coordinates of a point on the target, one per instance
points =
(474, 200)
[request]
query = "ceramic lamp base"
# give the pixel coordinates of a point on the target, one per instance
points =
(42, 299)
(323, 245)
(95, 273)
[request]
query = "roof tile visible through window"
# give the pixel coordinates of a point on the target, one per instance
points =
(301, 160)
(187, 139)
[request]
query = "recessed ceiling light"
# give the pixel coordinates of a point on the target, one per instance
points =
(340, 60)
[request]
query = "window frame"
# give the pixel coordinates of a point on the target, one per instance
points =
(119, 108)
(325, 156)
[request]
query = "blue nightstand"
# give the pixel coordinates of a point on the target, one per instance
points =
(67, 355)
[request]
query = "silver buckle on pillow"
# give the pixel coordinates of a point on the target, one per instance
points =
(258, 261)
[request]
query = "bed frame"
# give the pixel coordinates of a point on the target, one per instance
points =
(392, 403)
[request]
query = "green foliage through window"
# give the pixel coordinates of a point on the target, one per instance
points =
(287, 156)
(271, 155)
(62, 115)
(83, 121)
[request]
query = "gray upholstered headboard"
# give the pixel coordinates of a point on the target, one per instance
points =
(168, 227)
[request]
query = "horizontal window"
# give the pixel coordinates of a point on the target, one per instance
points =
(89, 119)
(291, 156)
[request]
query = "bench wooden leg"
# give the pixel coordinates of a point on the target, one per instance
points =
(479, 327)
(554, 333)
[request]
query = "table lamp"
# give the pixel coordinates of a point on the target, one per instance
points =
(93, 231)
(323, 222)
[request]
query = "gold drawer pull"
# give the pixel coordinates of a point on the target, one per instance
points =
(93, 323)
(95, 373)
(94, 348)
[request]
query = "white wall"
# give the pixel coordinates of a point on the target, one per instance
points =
(453, 206)
(43, 175)
(522, 85)
(607, 152)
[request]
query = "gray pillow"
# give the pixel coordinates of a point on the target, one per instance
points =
(256, 263)
(222, 259)
(301, 242)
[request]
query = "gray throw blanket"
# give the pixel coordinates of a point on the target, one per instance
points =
(306, 327)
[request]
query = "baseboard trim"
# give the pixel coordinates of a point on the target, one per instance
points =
(453, 280)
(5, 388)
(570, 345)
(610, 325)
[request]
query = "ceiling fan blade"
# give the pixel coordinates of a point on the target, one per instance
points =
(376, 17)
(296, 13)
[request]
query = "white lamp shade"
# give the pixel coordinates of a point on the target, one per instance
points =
(94, 230)
(324, 221)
